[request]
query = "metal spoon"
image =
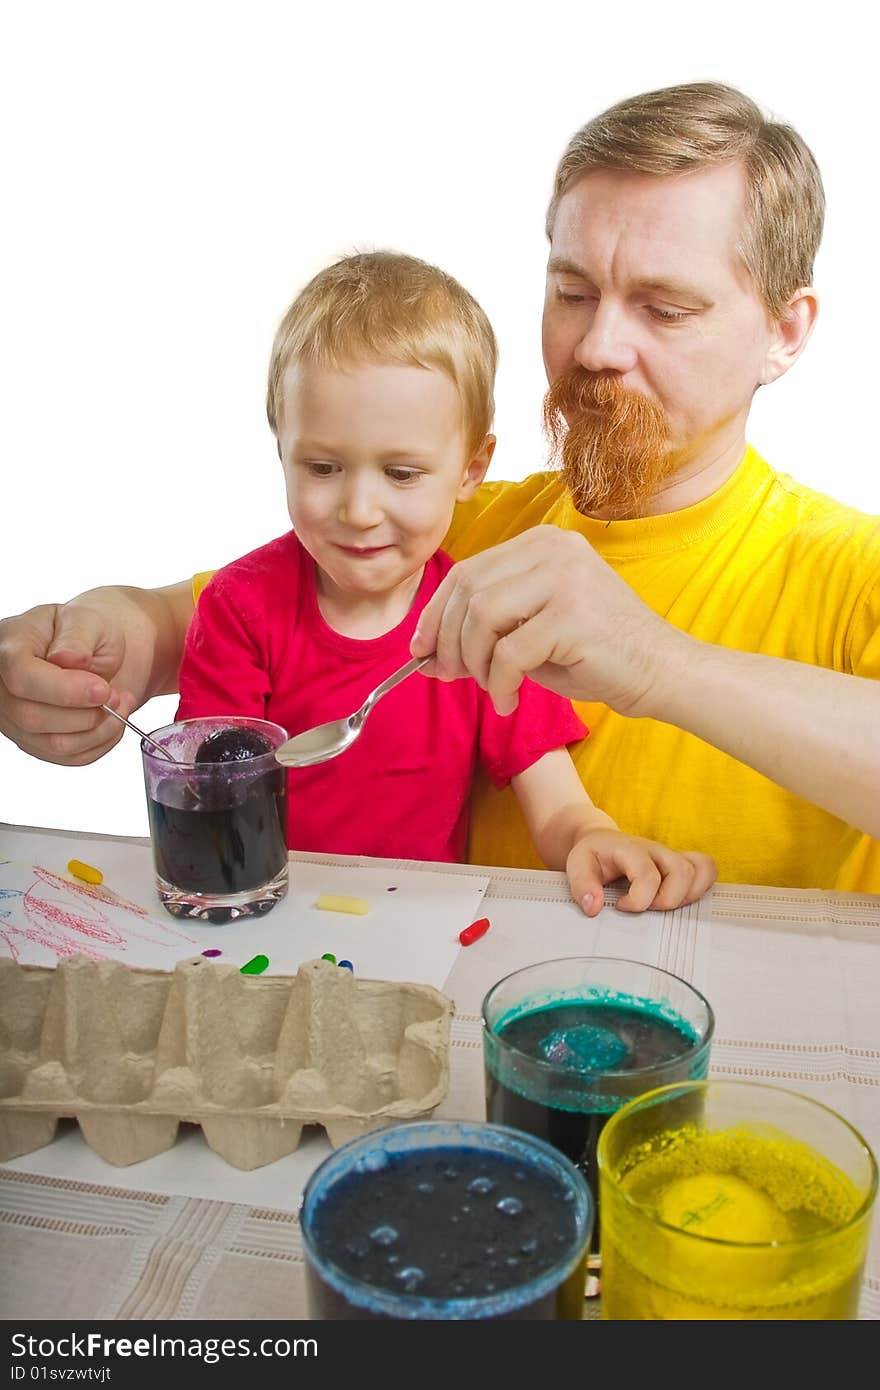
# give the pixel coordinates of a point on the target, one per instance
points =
(327, 741)
(146, 737)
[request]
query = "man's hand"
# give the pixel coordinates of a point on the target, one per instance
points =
(659, 878)
(56, 664)
(545, 605)
(60, 662)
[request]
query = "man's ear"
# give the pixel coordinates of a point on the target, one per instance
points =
(790, 334)
(476, 469)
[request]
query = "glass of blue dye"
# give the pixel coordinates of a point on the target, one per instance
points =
(567, 1042)
(446, 1220)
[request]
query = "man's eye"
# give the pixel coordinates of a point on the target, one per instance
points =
(569, 297)
(669, 315)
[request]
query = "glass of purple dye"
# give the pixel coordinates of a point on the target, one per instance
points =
(218, 817)
(446, 1220)
(567, 1042)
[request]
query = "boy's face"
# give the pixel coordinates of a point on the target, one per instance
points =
(374, 458)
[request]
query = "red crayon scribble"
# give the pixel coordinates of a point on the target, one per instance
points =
(4, 936)
(89, 920)
(63, 932)
(94, 891)
(67, 927)
(158, 930)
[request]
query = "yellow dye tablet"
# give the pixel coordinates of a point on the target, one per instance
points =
(722, 1207)
(329, 902)
(85, 872)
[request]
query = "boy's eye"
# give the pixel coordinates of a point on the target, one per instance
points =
(403, 475)
(319, 469)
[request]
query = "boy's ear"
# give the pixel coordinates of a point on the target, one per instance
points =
(476, 469)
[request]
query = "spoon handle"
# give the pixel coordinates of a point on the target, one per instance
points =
(140, 733)
(415, 665)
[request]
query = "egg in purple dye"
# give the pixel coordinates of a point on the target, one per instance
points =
(232, 745)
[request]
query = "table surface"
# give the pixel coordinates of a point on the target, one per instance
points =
(793, 977)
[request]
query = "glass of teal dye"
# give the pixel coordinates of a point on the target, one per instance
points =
(567, 1042)
(446, 1220)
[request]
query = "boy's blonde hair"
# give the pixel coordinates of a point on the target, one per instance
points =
(380, 306)
(701, 124)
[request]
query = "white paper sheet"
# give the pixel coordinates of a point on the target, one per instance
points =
(409, 934)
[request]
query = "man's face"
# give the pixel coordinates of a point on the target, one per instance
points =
(649, 305)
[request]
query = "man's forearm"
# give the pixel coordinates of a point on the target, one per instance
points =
(173, 607)
(812, 731)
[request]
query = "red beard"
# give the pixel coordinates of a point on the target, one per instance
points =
(611, 445)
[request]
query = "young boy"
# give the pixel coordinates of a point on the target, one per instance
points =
(381, 399)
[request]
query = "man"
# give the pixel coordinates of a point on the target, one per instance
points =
(720, 623)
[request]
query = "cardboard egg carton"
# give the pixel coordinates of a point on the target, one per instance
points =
(131, 1054)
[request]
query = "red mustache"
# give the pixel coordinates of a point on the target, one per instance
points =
(611, 444)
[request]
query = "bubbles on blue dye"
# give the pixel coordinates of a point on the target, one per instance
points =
(383, 1235)
(373, 1162)
(484, 1254)
(481, 1185)
(511, 1206)
(583, 1048)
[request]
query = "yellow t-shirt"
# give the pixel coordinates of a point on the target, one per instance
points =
(763, 565)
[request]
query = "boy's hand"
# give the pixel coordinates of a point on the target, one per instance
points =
(659, 878)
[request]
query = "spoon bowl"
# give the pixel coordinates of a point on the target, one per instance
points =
(326, 741)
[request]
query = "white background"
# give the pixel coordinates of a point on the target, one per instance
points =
(173, 173)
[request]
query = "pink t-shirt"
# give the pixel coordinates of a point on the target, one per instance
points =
(258, 645)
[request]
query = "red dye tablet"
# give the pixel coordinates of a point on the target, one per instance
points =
(474, 931)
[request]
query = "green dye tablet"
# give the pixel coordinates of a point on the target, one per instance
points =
(255, 966)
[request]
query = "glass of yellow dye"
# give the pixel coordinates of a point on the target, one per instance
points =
(731, 1200)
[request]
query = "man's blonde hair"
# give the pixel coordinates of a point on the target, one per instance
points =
(380, 306)
(701, 124)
